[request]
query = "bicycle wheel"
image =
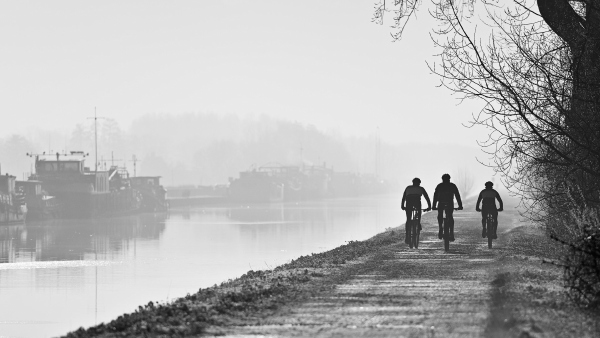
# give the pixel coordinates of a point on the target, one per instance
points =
(409, 233)
(415, 234)
(489, 222)
(446, 236)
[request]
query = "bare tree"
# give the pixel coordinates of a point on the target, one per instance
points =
(535, 66)
(537, 73)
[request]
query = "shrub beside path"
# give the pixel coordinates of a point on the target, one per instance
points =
(381, 288)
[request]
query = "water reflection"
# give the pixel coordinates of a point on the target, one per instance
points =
(62, 274)
(64, 240)
(316, 212)
(306, 227)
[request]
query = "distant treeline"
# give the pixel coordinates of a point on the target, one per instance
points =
(206, 149)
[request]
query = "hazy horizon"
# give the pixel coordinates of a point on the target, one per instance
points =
(205, 149)
(317, 63)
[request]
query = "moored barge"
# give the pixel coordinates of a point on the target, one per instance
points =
(13, 209)
(82, 193)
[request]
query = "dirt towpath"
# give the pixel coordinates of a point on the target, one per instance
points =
(381, 288)
(402, 292)
(470, 291)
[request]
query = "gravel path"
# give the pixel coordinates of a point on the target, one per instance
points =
(402, 292)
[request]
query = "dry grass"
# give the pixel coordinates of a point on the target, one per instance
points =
(529, 299)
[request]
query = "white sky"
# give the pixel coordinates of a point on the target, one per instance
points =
(318, 62)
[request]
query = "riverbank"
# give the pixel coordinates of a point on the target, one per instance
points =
(379, 287)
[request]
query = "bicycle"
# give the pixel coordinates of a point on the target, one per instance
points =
(447, 233)
(492, 227)
(414, 227)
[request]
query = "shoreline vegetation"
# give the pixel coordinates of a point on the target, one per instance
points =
(526, 297)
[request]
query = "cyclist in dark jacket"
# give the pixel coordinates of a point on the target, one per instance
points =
(412, 198)
(444, 195)
(489, 196)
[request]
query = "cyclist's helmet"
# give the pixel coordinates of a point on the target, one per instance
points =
(489, 184)
(445, 177)
(416, 180)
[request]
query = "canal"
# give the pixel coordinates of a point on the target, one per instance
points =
(58, 275)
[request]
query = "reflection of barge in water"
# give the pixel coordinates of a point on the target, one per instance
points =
(73, 239)
(82, 193)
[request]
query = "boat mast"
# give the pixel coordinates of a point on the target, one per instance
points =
(96, 138)
(377, 153)
(134, 160)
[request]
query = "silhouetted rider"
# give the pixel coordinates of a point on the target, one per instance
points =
(489, 196)
(444, 195)
(412, 197)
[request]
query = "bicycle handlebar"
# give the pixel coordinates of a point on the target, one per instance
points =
(418, 209)
(479, 209)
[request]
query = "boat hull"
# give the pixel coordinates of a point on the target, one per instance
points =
(12, 214)
(88, 205)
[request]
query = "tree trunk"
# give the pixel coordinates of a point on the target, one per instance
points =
(582, 119)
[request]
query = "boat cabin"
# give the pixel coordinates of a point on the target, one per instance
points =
(60, 164)
(30, 188)
(57, 171)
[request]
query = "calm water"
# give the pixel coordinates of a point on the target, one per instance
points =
(56, 276)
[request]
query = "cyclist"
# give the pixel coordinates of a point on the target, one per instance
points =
(412, 198)
(489, 196)
(444, 194)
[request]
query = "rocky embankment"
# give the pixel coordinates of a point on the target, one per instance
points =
(380, 288)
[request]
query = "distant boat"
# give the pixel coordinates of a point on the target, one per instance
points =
(281, 183)
(153, 194)
(39, 205)
(13, 209)
(307, 182)
(82, 193)
(256, 186)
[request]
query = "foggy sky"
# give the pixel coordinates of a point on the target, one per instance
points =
(318, 62)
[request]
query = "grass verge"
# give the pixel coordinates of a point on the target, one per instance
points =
(528, 298)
